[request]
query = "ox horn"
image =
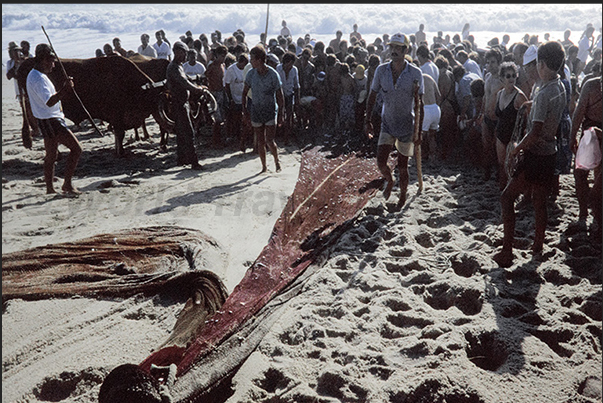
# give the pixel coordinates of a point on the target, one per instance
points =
(212, 104)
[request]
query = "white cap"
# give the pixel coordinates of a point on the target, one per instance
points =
(530, 54)
(399, 39)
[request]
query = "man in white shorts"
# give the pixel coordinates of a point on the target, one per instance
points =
(397, 80)
(431, 117)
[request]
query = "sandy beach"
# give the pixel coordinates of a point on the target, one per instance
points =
(406, 306)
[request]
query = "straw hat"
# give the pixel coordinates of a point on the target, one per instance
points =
(399, 39)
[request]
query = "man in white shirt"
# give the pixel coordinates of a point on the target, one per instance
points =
(285, 32)
(290, 79)
(145, 49)
(584, 49)
(195, 71)
(46, 107)
(234, 82)
(469, 64)
(162, 48)
(426, 65)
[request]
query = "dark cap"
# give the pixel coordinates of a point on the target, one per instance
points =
(43, 51)
(180, 45)
(13, 46)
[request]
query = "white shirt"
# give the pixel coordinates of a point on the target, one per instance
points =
(148, 51)
(163, 51)
(431, 69)
(289, 83)
(583, 47)
(234, 77)
(9, 65)
(471, 66)
(192, 71)
(245, 71)
(40, 89)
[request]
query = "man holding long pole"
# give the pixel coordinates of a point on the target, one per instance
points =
(45, 104)
(401, 84)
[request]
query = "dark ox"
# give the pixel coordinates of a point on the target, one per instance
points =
(111, 89)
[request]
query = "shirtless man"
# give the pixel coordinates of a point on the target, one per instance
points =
(333, 80)
(335, 42)
(118, 48)
(355, 33)
(347, 100)
(588, 114)
(492, 85)
(420, 35)
(431, 120)
(448, 125)
(215, 82)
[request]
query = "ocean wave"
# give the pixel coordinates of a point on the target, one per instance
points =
(313, 18)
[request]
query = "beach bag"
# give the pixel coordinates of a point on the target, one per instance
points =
(588, 155)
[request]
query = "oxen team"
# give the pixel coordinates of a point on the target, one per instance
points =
(120, 91)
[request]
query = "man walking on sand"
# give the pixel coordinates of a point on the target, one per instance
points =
(267, 106)
(46, 107)
(398, 81)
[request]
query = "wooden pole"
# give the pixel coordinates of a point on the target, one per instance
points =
(266, 30)
(68, 78)
(417, 135)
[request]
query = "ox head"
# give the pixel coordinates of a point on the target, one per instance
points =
(202, 110)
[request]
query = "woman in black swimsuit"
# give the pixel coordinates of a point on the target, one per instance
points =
(508, 101)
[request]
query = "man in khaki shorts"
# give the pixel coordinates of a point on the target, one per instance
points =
(397, 81)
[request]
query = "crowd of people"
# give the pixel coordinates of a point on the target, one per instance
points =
(376, 93)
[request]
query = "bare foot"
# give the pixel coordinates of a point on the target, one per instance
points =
(70, 190)
(388, 189)
(278, 167)
(50, 191)
(504, 258)
(264, 170)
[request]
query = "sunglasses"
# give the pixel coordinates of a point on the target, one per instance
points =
(507, 76)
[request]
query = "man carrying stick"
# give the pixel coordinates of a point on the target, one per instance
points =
(46, 107)
(401, 83)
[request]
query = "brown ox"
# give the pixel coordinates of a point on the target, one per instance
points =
(155, 69)
(111, 89)
(122, 92)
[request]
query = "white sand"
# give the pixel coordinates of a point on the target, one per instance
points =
(406, 307)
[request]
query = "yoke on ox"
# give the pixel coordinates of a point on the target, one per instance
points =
(117, 90)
